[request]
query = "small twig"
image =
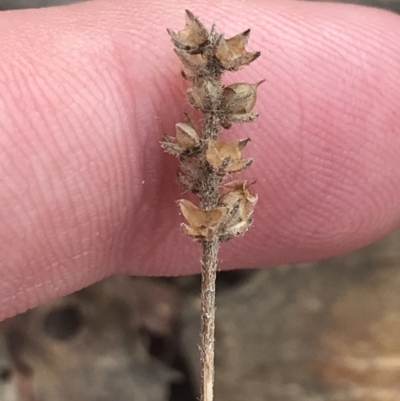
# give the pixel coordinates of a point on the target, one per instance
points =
(208, 276)
(225, 210)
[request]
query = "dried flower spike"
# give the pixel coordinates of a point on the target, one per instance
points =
(206, 162)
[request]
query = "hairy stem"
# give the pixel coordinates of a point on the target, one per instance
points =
(208, 189)
(209, 272)
(211, 127)
(209, 198)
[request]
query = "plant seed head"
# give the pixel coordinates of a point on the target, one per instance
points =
(232, 53)
(240, 205)
(240, 98)
(187, 136)
(202, 223)
(226, 157)
(193, 37)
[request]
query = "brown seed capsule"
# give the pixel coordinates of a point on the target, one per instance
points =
(190, 121)
(240, 98)
(193, 64)
(197, 97)
(186, 139)
(190, 166)
(193, 37)
(227, 156)
(187, 135)
(190, 174)
(203, 95)
(240, 203)
(242, 186)
(232, 53)
(202, 223)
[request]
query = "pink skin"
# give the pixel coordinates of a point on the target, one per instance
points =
(88, 90)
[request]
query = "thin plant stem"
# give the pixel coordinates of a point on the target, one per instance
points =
(209, 199)
(209, 271)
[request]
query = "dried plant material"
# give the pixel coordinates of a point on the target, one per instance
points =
(187, 136)
(240, 98)
(186, 182)
(206, 161)
(232, 53)
(238, 102)
(243, 186)
(198, 97)
(190, 174)
(240, 204)
(226, 157)
(203, 224)
(186, 140)
(203, 97)
(192, 37)
(193, 64)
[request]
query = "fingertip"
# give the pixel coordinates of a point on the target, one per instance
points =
(90, 89)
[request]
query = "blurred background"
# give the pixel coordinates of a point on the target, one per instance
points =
(323, 331)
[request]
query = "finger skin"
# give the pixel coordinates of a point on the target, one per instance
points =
(89, 89)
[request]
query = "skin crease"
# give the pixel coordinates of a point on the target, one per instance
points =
(88, 90)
